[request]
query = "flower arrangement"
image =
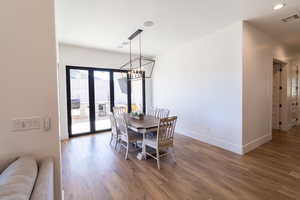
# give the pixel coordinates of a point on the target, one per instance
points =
(137, 115)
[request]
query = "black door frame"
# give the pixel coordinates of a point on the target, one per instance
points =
(92, 115)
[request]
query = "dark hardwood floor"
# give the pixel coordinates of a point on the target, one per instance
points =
(93, 170)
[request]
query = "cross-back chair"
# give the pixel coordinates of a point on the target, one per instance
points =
(164, 139)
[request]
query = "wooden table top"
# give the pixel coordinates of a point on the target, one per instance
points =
(147, 122)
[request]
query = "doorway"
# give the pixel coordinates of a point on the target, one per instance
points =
(93, 92)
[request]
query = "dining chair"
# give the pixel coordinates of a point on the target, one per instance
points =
(115, 133)
(127, 136)
(162, 113)
(164, 139)
(117, 110)
(152, 111)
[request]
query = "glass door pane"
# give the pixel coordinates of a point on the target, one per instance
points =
(80, 107)
(137, 95)
(120, 89)
(102, 100)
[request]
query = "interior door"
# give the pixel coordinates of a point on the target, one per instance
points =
(276, 96)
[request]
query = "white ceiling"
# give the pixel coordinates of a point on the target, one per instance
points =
(288, 33)
(106, 24)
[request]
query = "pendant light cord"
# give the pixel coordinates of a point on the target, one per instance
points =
(140, 42)
(130, 71)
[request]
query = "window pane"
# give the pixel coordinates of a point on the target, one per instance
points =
(120, 89)
(137, 95)
(80, 101)
(102, 100)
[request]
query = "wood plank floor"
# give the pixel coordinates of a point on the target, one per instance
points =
(93, 170)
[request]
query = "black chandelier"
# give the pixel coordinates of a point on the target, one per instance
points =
(140, 66)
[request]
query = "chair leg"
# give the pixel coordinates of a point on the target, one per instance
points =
(120, 146)
(157, 158)
(127, 149)
(173, 154)
(117, 141)
(111, 138)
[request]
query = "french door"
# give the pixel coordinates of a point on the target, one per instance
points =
(93, 92)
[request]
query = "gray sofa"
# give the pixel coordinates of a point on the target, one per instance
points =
(25, 178)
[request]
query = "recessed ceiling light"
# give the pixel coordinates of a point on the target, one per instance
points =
(148, 23)
(278, 6)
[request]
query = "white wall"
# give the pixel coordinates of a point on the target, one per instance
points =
(87, 57)
(28, 79)
(259, 49)
(201, 83)
(221, 86)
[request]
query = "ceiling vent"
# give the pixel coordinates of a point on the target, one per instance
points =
(291, 18)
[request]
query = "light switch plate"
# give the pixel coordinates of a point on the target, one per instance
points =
(24, 124)
(27, 124)
(47, 123)
(36, 123)
(17, 125)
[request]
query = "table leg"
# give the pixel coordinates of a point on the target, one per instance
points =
(144, 147)
(142, 155)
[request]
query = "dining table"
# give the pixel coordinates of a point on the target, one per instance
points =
(145, 125)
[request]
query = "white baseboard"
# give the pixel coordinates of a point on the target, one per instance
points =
(62, 195)
(225, 144)
(256, 143)
(211, 140)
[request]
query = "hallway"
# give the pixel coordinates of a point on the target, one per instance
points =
(92, 169)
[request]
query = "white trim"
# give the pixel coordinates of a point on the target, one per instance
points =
(211, 140)
(256, 143)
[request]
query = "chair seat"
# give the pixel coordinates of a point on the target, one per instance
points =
(152, 142)
(132, 136)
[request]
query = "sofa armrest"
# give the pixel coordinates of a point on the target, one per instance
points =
(44, 185)
(4, 163)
